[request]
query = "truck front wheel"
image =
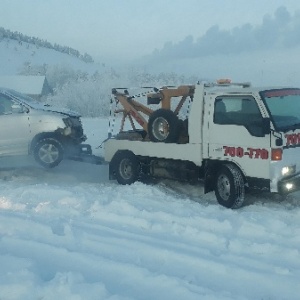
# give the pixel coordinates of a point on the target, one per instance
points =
(48, 152)
(126, 167)
(163, 126)
(230, 187)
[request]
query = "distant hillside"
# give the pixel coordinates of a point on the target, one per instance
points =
(16, 56)
(21, 38)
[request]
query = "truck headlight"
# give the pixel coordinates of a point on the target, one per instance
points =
(289, 186)
(287, 171)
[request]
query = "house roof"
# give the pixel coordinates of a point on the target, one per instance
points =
(30, 85)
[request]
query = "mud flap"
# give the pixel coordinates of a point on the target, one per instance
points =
(208, 181)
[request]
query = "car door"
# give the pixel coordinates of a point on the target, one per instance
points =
(14, 127)
(235, 134)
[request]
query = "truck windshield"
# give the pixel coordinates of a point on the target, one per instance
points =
(284, 108)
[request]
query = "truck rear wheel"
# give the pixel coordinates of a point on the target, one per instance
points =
(163, 126)
(126, 167)
(230, 187)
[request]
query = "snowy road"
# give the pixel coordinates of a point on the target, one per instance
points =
(70, 233)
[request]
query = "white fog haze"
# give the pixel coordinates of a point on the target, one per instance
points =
(70, 232)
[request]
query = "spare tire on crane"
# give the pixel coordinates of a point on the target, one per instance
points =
(163, 126)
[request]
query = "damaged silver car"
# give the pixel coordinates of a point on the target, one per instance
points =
(28, 127)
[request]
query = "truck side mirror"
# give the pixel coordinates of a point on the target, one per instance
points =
(279, 142)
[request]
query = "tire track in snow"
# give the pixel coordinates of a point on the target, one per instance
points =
(158, 253)
(121, 235)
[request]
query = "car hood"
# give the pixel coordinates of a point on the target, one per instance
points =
(47, 107)
(24, 99)
(60, 110)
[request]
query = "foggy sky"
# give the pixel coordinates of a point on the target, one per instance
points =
(278, 31)
(128, 29)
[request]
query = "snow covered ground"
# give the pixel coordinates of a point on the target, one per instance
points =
(70, 233)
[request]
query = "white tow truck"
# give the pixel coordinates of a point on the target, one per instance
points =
(234, 138)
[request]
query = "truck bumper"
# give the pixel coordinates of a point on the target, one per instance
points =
(289, 185)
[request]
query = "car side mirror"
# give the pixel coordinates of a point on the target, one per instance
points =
(16, 108)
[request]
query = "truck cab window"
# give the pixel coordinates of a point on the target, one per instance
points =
(221, 115)
(241, 111)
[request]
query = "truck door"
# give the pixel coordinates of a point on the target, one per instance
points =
(235, 133)
(14, 128)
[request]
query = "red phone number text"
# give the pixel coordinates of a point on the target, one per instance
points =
(251, 152)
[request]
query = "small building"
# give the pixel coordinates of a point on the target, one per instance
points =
(33, 86)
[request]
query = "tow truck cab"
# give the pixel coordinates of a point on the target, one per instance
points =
(258, 130)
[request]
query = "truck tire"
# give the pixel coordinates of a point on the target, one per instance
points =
(163, 126)
(126, 167)
(48, 152)
(230, 187)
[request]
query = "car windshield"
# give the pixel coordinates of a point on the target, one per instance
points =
(24, 98)
(284, 108)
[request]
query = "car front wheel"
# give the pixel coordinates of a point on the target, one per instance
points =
(48, 152)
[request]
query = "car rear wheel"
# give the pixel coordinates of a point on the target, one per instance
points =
(48, 152)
